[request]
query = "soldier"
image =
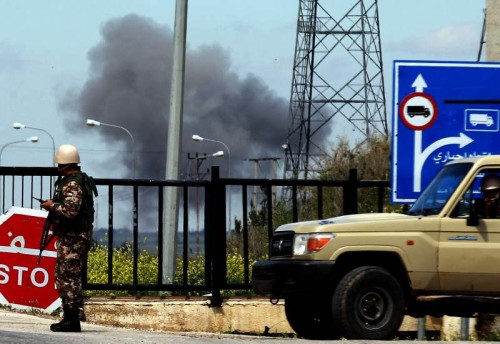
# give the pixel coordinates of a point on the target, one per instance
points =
(72, 209)
(489, 207)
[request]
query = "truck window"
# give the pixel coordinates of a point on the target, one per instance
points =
(475, 196)
(435, 196)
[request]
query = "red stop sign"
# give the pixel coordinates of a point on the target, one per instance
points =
(25, 284)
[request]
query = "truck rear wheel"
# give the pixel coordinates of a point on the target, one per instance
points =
(368, 303)
(310, 318)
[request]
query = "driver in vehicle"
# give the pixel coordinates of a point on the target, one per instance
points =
(489, 207)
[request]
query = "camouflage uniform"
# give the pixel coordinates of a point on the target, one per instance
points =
(73, 217)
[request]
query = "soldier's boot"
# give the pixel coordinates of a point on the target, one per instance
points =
(70, 322)
(65, 315)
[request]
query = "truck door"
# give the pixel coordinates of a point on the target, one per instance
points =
(469, 256)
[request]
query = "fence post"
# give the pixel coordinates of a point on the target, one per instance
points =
(350, 191)
(216, 224)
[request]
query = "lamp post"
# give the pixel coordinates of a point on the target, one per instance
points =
(29, 139)
(22, 126)
(199, 158)
(93, 123)
(199, 138)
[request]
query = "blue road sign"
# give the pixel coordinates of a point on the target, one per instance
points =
(442, 111)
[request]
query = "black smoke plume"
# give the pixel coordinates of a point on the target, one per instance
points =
(129, 86)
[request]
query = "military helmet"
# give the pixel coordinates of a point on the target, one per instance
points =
(67, 154)
(490, 182)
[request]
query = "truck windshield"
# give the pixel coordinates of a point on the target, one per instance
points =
(435, 196)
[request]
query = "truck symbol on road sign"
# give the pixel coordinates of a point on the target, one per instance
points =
(481, 118)
(487, 120)
(418, 110)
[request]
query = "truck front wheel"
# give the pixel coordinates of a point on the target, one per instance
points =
(309, 317)
(368, 303)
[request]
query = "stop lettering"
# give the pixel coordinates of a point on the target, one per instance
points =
(25, 283)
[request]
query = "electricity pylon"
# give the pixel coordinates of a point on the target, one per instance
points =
(337, 85)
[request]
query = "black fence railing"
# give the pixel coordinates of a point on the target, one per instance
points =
(136, 207)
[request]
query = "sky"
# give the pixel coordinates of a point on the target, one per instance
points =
(63, 61)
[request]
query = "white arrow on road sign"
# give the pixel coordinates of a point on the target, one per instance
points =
(419, 83)
(420, 156)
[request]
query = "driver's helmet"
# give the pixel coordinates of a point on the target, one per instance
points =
(490, 182)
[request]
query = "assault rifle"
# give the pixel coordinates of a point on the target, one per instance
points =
(45, 233)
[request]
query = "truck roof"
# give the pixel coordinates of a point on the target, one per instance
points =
(481, 160)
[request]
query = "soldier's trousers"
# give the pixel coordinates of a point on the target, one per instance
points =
(72, 252)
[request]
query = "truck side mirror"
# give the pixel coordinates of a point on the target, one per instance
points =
(473, 219)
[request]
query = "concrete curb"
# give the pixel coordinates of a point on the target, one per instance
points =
(253, 316)
(236, 315)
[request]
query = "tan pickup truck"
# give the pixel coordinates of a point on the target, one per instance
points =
(357, 276)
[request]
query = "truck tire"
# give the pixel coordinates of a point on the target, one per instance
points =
(310, 319)
(368, 303)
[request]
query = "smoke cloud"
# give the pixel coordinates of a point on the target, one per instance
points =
(129, 86)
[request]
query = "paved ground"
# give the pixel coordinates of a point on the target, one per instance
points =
(22, 328)
(17, 327)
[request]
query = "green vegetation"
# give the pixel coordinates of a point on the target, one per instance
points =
(97, 271)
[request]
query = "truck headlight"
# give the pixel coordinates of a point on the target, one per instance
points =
(310, 243)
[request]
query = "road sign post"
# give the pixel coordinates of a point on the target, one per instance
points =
(25, 283)
(442, 111)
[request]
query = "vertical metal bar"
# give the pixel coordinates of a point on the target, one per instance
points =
(185, 237)
(270, 232)
(135, 250)
(295, 210)
(32, 190)
(381, 191)
(110, 234)
(208, 234)
(244, 196)
(218, 215)
(269, 196)
(41, 187)
(13, 190)
(3, 194)
(160, 235)
(350, 192)
(52, 185)
(22, 192)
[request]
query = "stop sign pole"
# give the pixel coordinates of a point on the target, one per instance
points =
(25, 283)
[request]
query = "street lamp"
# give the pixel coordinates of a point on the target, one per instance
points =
(93, 123)
(22, 126)
(199, 138)
(29, 139)
(198, 158)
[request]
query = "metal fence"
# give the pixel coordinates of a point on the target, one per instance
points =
(204, 205)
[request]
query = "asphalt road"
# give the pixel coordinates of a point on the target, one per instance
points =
(23, 328)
